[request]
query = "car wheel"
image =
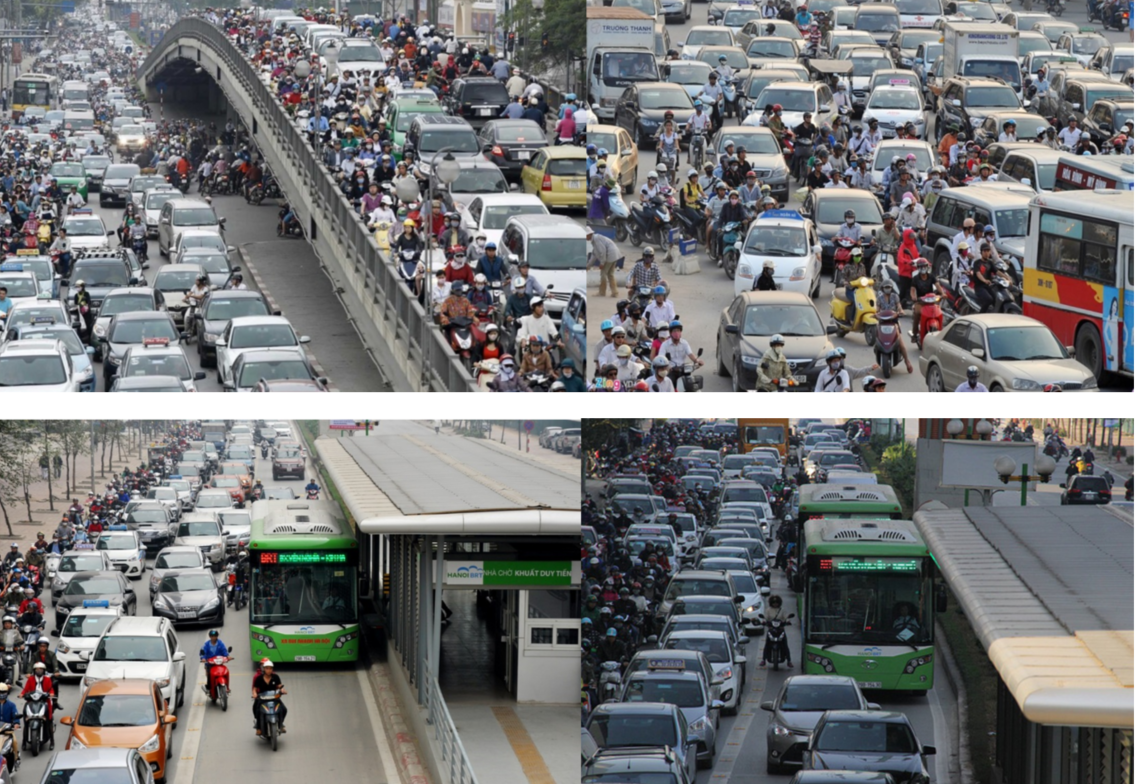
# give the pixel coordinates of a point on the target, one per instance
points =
(996, 388)
(934, 380)
(737, 377)
(181, 696)
(721, 369)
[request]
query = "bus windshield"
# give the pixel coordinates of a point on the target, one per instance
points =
(308, 593)
(886, 603)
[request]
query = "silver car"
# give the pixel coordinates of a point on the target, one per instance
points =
(668, 681)
(74, 561)
(175, 558)
(799, 704)
(189, 596)
(727, 660)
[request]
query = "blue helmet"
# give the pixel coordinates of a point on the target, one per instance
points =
(591, 148)
(675, 324)
(988, 229)
(606, 325)
(602, 152)
(659, 290)
(697, 103)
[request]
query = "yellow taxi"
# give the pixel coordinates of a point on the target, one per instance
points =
(128, 713)
(622, 153)
(558, 175)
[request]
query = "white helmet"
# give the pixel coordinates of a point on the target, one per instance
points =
(266, 664)
(652, 175)
(480, 278)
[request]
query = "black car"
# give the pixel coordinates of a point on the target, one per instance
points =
(1106, 118)
(966, 102)
(510, 144)
(647, 763)
(880, 741)
(111, 587)
(641, 109)
(1085, 489)
(477, 99)
(218, 308)
(101, 274)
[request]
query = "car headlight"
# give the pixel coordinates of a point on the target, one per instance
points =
(87, 373)
(150, 745)
(1025, 385)
(744, 271)
(726, 674)
(798, 274)
(211, 604)
(162, 682)
(779, 731)
(63, 647)
(1090, 383)
(976, 121)
(750, 361)
(100, 330)
(699, 726)
(75, 744)
(752, 608)
(210, 339)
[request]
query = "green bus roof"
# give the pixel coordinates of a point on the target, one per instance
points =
(848, 499)
(863, 537)
(299, 525)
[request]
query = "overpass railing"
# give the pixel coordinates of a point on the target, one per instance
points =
(423, 360)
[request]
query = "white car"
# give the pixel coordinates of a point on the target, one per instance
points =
(139, 647)
(21, 286)
(705, 35)
(199, 238)
(169, 498)
(752, 602)
(80, 634)
(236, 525)
(894, 106)
(184, 491)
(247, 333)
(201, 529)
(71, 563)
(791, 243)
(130, 139)
(37, 366)
(152, 201)
(125, 550)
(86, 230)
(728, 661)
(489, 212)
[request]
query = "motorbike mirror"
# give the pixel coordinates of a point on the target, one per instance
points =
(768, 705)
(742, 640)
(831, 329)
(54, 632)
(701, 351)
(1063, 485)
(199, 375)
(979, 353)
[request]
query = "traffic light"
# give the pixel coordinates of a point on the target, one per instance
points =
(545, 44)
(511, 43)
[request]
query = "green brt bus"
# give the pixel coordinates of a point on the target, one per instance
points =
(304, 583)
(870, 593)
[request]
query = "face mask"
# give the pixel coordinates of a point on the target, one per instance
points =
(662, 373)
(850, 222)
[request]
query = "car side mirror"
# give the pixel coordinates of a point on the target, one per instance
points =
(873, 706)
(768, 705)
(230, 386)
(179, 656)
(716, 681)
(979, 353)
(1063, 485)
(955, 102)
(134, 281)
(54, 633)
(199, 375)
(928, 750)
(110, 233)
(831, 330)
(221, 221)
(305, 339)
(733, 329)
(231, 249)
(765, 590)
(742, 640)
(169, 719)
(66, 721)
(740, 659)
(718, 704)
(221, 343)
(90, 351)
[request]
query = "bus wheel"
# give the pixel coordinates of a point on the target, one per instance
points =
(1088, 349)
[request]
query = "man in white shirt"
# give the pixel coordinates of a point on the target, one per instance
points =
(1070, 134)
(661, 310)
(833, 378)
(971, 384)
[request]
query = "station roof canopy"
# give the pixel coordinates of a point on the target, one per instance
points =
(1048, 592)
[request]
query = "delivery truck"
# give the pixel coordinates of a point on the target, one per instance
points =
(620, 51)
(981, 49)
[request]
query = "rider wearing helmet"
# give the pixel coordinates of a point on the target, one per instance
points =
(661, 309)
(658, 382)
(971, 384)
(776, 611)
(834, 377)
(774, 366)
(850, 228)
(645, 273)
(766, 281)
(677, 350)
(650, 188)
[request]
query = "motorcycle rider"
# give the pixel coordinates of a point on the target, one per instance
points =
(889, 299)
(983, 277)
(699, 121)
(834, 377)
(41, 681)
(644, 273)
(195, 296)
(732, 211)
(774, 366)
(312, 487)
(658, 382)
(776, 612)
(920, 285)
(508, 380)
(12, 716)
(538, 324)
(765, 281)
(454, 234)
(713, 208)
(268, 680)
(649, 189)
(971, 384)
(212, 647)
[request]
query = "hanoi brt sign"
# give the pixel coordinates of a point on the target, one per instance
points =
(512, 574)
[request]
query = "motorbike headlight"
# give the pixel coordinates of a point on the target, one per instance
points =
(151, 745)
(1025, 385)
(752, 608)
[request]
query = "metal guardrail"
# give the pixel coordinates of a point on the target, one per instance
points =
(387, 302)
(454, 761)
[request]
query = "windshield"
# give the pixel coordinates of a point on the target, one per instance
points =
(777, 241)
(619, 730)
(117, 710)
(716, 649)
(479, 180)
(80, 625)
(1122, 63)
(175, 280)
(17, 371)
(497, 217)
(136, 649)
(105, 275)
(744, 582)
(121, 171)
(734, 494)
(92, 586)
(194, 216)
(739, 17)
(930, 8)
(557, 254)
(788, 320)
(1013, 223)
(694, 587)
(1012, 344)
(67, 170)
(180, 583)
(226, 309)
(120, 775)
(143, 184)
(126, 303)
(177, 561)
(881, 607)
(360, 54)
(485, 92)
(874, 737)
(993, 97)
(148, 516)
(175, 365)
(117, 542)
(819, 697)
(67, 335)
(894, 99)
(720, 37)
(1088, 44)
(155, 200)
(791, 100)
(20, 287)
(137, 331)
(211, 262)
(458, 140)
(405, 117)
(80, 563)
(84, 227)
(1115, 92)
(262, 335)
(866, 210)
(307, 593)
(685, 73)
(130, 130)
(683, 692)
(764, 47)
(865, 66)
(876, 23)
(272, 370)
(664, 99)
(95, 162)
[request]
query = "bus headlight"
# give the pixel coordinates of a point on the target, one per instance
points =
(823, 661)
(917, 662)
(264, 638)
(343, 639)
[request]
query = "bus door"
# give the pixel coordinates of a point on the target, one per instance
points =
(1121, 360)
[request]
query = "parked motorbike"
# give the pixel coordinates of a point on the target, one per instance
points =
(887, 341)
(650, 223)
(620, 213)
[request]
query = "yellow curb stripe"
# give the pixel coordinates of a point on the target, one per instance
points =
(531, 762)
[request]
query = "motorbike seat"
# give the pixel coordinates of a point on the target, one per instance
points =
(840, 293)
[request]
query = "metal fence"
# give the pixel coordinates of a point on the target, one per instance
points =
(398, 315)
(454, 763)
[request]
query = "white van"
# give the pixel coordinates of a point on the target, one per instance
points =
(179, 215)
(555, 249)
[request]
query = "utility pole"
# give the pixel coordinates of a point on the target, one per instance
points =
(92, 457)
(47, 457)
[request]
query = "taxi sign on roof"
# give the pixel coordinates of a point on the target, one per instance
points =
(117, 528)
(27, 251)
(43, 319)
(84, 546)
(784, 214)
(666, 664)
(11, 267)
(96, 603)
(82, 212)
(147, 342)
(175, 476)
(898, 81)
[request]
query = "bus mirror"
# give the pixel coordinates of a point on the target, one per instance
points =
(940, 598)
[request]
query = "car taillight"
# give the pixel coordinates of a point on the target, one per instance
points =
(1074, 491)
(1105, 494)
(547, 186)
(497, 151)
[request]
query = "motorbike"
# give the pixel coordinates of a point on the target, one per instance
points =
(1005, 297)
(696, 154)
(1056, 449)
(312, 495)
(8, 746)
(620, 212)
(801, 152)
(537, 381)
(267, 717)
(9, 665)
(684, 379)
(1115, 15)
(864, 320)
(887, 341)
(138, 245)
(668, 155)
(31, 633)
(776, 639)
(1055, 7)
(729, 105)
(841, 258)
(407, 267)
(37, 729)
(290, 228)
(218, 686)
(730, 237)
(956, 303)
(610, 681)
(650, 223)
(691, 226)
(487, 370)
(463, 339)
(885, 269)
(930, 318)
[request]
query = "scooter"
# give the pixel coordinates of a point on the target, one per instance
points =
(684, 379)
(929, 318)
(268, 718)
(463, 339)
(1055, 7)
(776, 639)
(729, 105)
(8, 745)
(620, 212)
(956, 303)
(841, 258)
(38, 730)
(1005, 297)
(730, 238)
(887, 341)
(9, 666)
(218, 686)
(610, 681)
(312, 495)
(487, 370)
(650, 222)
(864, 319)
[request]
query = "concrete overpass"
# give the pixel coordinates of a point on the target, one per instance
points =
(195, 61)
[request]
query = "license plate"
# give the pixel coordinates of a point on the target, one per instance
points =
(523, 155)
(800, 379)
(186, 614)
(1089, 495)
(484, 112)
(573, 185)
(888, 134)
(79, 667)
(870, 684)
(305, 658)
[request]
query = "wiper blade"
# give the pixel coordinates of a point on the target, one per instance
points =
(1042, 356)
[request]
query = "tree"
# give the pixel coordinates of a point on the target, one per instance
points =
(19, 463)
(559, 20)
(74, 438)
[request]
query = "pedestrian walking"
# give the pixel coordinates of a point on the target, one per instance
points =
(43, 466)
(57, 464)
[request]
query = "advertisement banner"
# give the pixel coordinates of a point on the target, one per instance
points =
(547, 574)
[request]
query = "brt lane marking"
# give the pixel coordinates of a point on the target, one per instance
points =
(380, 742)
(531, 761)
(192, 743)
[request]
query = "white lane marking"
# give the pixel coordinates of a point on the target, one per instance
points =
(376, 727)
(938, 718)
(193, 728)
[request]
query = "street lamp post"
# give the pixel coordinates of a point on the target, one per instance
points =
(446, 172)
(1007, 466)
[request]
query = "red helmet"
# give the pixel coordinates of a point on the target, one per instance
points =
(777, 107)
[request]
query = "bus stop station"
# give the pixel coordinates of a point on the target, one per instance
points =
(1047, 589)
(471, 550)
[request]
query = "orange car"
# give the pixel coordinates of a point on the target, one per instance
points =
(230, 468)
(234, 484)
(127, 713)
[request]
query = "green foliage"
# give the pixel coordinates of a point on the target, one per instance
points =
(899, 467)
(562, 20)
(601, 432)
